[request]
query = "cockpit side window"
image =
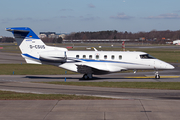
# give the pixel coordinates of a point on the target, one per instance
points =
(147, 56)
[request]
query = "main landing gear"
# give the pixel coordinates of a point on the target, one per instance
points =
(157, 76)
(87, 76)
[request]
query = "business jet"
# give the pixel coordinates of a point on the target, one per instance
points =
(88, 63)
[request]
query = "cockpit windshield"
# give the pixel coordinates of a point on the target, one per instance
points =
(147, 56)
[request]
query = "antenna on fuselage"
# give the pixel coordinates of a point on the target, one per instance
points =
(94, 49)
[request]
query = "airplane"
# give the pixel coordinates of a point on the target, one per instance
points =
(88, 63)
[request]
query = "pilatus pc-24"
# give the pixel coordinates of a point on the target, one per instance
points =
(89, 63)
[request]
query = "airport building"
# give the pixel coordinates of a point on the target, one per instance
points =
(51, 35)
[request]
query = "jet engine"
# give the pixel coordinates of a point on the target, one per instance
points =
(53, 56)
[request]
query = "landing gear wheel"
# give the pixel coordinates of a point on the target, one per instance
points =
(157, 76)
(85, 77)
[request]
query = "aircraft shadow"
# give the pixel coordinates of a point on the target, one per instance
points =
(81, 79)
(40, 77)
(98, 78)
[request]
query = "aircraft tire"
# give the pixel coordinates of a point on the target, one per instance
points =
(157, 76)
(85, 77)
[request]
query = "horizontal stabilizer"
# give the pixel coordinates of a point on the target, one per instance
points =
(23, 32)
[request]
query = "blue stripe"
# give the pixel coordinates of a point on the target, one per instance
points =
(87, 60)
(27, 55)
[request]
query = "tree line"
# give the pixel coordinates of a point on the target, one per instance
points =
(158, 35)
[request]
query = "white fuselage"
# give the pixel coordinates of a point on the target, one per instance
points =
(112, 61)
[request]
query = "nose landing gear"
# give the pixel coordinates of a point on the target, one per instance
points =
(157, 76)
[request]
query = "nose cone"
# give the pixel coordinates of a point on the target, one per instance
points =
(169, 66)
(162, 65)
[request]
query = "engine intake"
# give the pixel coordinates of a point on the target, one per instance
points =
(53, 56)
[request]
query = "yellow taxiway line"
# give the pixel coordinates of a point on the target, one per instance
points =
(154, 77)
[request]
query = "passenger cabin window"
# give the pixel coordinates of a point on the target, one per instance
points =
(147, 56)
(120, 57)
(105, 56)
(84, 56)
(90, 56)
(77, 56)
(97, 56)
(112, 57)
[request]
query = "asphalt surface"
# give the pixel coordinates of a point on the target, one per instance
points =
(116, 77)
(120, 93)
(89, 110)
(11, 58)
(131, 104)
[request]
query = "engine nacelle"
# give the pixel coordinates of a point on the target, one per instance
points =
(53, 56)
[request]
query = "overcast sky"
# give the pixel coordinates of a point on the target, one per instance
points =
(66, 16)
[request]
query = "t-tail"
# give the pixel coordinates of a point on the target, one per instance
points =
(33, 48)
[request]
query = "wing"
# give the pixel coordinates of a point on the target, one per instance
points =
(98, 68)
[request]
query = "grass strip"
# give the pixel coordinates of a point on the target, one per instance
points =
(31, 69)
(8, 95)
(137, 85)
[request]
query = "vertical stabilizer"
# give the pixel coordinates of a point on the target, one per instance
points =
(32, 47)
(29, 43)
